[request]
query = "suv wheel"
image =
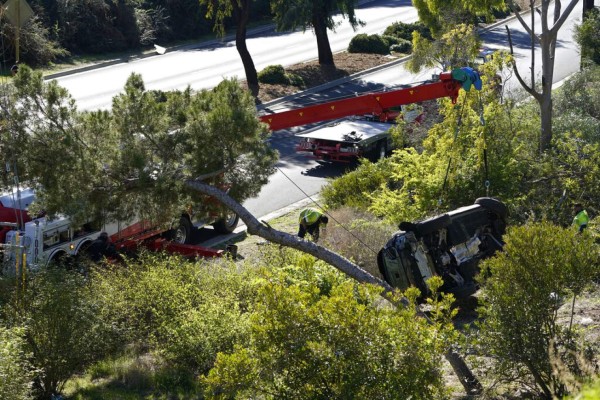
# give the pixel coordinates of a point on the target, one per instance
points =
(493, 205)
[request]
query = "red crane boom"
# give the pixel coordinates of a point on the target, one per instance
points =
(377, 104)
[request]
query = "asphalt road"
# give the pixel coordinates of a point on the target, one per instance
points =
(204, 65)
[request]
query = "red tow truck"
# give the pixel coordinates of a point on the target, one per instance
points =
(368, 136)
(37, 241)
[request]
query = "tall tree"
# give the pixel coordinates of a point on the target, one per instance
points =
(219, 11)
(547, 42)
(315, 14)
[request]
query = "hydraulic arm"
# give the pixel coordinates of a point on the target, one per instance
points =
(378, 104)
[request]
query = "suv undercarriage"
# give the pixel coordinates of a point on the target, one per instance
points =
(449, 245)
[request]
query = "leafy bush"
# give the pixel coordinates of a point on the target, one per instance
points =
(187, 312)
(588, 38)
(372, 44)
(15, 371)
(276, 75)
(541, 265)
(37, 47)
(305, 345)
(403, 46)
(64, 326)
(354, 188)
(404, 31)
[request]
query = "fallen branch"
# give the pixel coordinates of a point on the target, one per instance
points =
(255, 227)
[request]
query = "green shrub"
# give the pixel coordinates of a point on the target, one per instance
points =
(403, 46)
(64, 326)
(187, 312)
(354, 188)
(273, 74)
(404, 31)
(390, 40)
(295, 80)
(16, 374)
(588, 38)
(372, 44)
(342, 345)
(276, 75)
(541, 267)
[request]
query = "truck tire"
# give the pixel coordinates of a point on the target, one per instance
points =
(227, 224)
(183, 232)
(493, 205)
(433, 224)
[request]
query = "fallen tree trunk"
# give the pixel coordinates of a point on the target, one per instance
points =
(255, 227)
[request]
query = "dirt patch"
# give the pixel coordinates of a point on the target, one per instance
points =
(314, 74)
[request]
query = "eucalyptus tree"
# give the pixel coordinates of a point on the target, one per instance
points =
(315, 14)
(434, 12)
(546, 40)
(220, 11)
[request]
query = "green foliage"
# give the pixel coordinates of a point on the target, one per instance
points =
(588, 38)
(275, 74)
(589, 392)
(290, 15)
(307, 345)
(186, 312)
(455, 48)
(403, 46)
(363, 43)
(438, 15)
(134, 160)
(63, 324)
(36, 44)
(405, 31)
(353, 188)
(541, 264)
(15, 370)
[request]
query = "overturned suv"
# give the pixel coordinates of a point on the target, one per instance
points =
(449, 245)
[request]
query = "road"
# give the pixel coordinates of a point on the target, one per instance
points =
(298, 177)
(205, 65)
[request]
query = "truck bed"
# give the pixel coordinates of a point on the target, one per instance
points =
(349, 131)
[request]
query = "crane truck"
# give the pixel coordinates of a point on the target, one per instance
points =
(368, 136)
(40, 240)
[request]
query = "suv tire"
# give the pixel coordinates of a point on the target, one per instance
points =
(493, 205)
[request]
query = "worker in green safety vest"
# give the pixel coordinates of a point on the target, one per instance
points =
(581, 218)
(310, 219)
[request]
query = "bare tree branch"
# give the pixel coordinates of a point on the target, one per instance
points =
(512, 6)
(528, 89)
(558, 23)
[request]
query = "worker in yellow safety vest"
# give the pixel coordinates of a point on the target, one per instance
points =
(310, 219)
(581, 218)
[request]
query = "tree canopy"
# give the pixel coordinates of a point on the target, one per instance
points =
(133, 160)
